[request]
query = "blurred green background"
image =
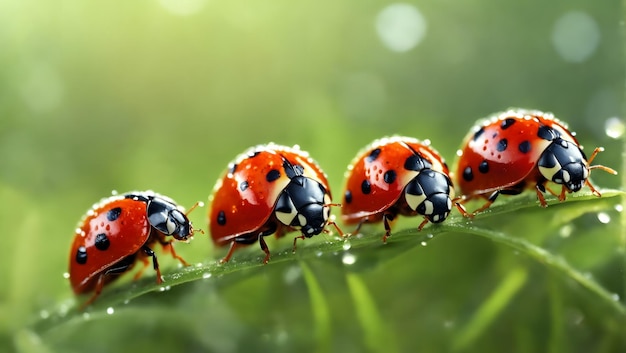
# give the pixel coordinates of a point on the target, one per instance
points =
(101, 96)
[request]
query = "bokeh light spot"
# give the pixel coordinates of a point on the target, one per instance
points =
(400, 27)
(575, 36)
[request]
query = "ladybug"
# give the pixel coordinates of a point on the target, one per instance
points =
(117, 232)
(269, 189)
(522, 149)
(397, 175)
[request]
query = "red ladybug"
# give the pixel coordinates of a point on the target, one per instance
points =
(397, 175)
(117, 232)
(269, 189)
(522, 149)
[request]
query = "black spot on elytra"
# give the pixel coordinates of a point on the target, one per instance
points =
(272, 175)
(502, 145)
(524, 146)
(373, 155)
(243, 185)
(102, 242)
(389, 176)
(483, 167)
(348, 196)
(114, 213)
(81, 255)
(366, 187)
(478, 133)
(468, 174)
(507, 123)
(221, 218)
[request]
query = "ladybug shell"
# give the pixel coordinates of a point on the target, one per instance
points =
(114, 229)
(503, 151)
(381, 164)
(244, 197)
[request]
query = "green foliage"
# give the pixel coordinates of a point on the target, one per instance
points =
(343, 294)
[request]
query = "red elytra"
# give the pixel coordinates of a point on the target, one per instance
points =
(522, 149)
(269, 189)
(397, 175)
(119, 231)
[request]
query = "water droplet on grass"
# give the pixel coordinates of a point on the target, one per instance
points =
(346, 245)
(604, 217)
(348, 259)
(110, 310)
(206, 275)
(423, 243)
(619, 207)
(66, 275)
(44, 314)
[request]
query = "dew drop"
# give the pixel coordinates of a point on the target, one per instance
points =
(110, 310)
(614, 127)
(319, 253)
(430, 236)
(114, 192)
(615, 297)
(86, 316)
(346, 245)
(348, 259)
(66, 275)
(126, 301)
(206, 275)
(423, 243)
(199, 264)
(619, 207)
(164, 288)
(604, 217)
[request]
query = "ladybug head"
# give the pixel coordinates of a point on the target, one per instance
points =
(165, 217)
(305, 205)
(563, 162)
(428, 194)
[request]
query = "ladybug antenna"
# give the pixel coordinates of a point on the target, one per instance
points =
(601, 167)
(195, 205)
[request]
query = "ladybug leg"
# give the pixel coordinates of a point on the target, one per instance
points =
(155, 262)
(341, 233)
(540, 189)
(592, 188)
(168, 246)
(387, 219)
(142, 269)
(294, 242)
(424, 222)
(233, 246)
(458, 203)
(494, 195)
(358, 226)
(265, 248)
(96, 293)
